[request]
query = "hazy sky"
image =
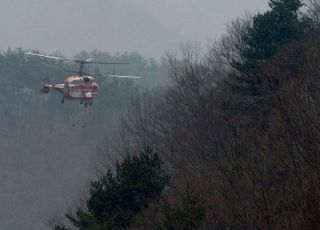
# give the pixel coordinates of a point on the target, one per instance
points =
(151, 27)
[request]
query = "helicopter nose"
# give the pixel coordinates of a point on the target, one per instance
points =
(95, 87)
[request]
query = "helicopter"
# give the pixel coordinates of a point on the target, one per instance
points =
(80, 86)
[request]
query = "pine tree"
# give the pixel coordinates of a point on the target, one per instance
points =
(116, 199)
(268, 32)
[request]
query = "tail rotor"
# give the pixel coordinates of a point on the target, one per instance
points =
(45, 85)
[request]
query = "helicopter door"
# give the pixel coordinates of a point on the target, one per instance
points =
(86, 80)
(72, 90)
(66, 88)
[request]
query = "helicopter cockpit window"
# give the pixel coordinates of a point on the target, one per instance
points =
(86, 80)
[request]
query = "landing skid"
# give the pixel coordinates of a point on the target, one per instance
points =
(86, 103)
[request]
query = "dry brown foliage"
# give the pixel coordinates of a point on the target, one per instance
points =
(256, 169)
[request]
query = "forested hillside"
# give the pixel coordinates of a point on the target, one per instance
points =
(238, 132)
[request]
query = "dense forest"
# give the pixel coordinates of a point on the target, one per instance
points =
(237, 132)
(225, 140)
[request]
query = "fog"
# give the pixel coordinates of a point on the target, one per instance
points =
(150, 27)
(46, 160)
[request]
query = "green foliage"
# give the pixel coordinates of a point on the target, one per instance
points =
(285, 5)
(189, 216)
(273, 29)
(115, 200)
(262, 39)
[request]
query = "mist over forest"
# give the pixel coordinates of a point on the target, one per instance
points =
(222, 139)
(47, 155)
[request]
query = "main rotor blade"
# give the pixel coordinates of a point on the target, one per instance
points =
(103, 63)
(87, 61)
(119, 76)
(110, 75)
(47, 56)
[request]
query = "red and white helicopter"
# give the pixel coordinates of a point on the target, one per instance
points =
(80, 86)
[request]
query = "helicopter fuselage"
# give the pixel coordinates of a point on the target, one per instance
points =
(82, 88)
